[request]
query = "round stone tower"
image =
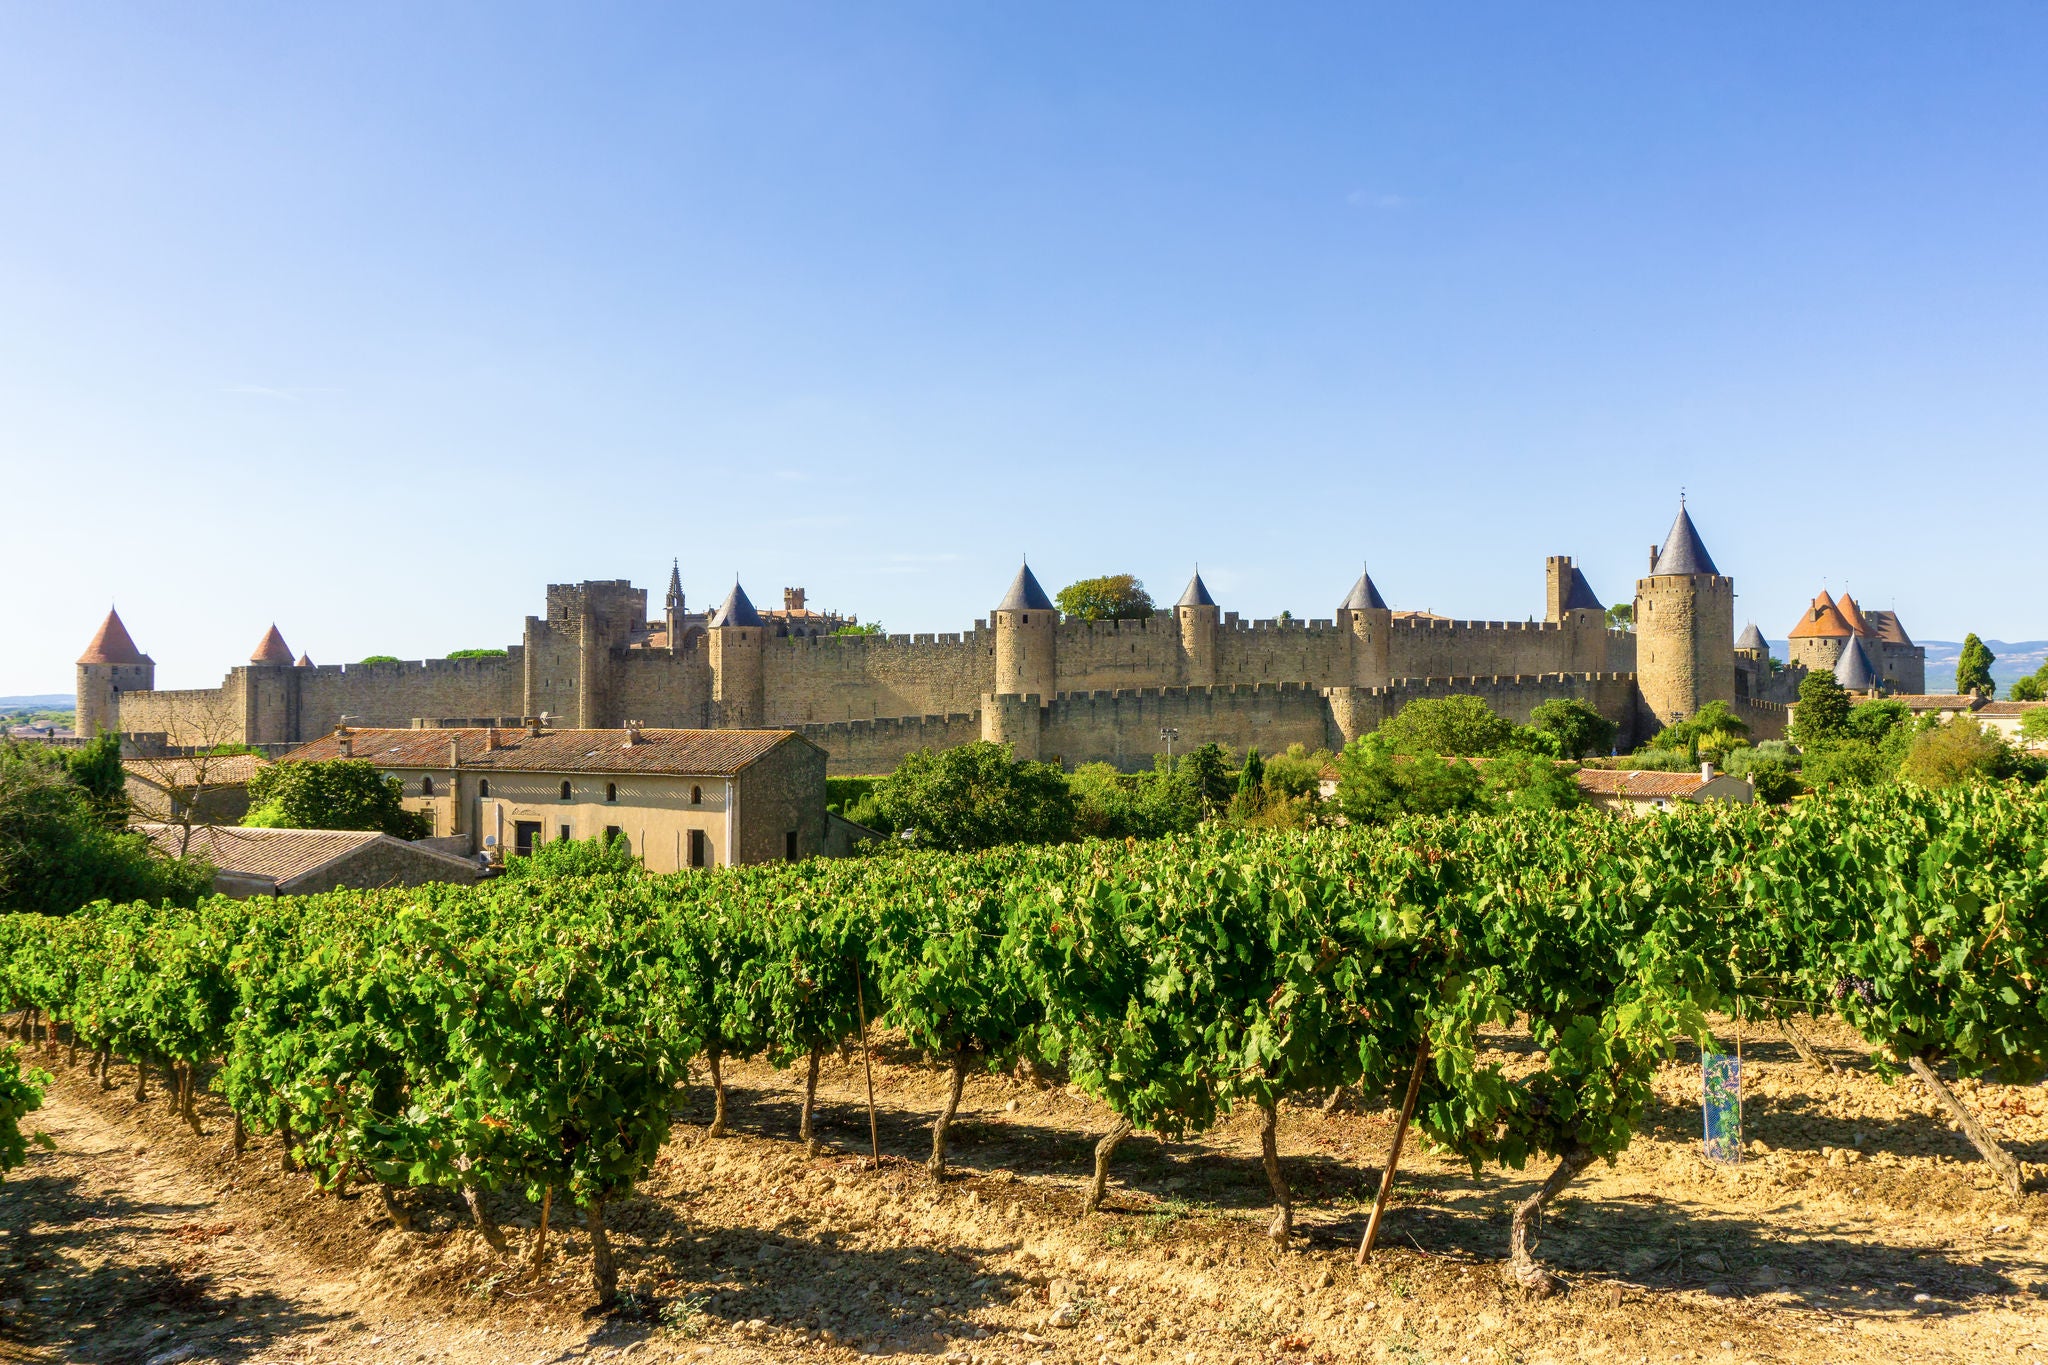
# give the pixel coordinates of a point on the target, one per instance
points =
(737, 638)
(1685, 619)
(1198, 615)
(110, 666)
(1365, 616)
(1025, 622)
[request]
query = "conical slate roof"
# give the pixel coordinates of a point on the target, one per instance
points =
(1752, 638)
(1683, 551)
(111, 644)
(1854, 671)
(271, 649)
(736, 610)
(1363, 597)
(1025, 594)
(1197, 594)
(1580, 596)
(1853, 614)
(1822, 620)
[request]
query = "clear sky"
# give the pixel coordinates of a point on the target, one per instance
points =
(374, 319)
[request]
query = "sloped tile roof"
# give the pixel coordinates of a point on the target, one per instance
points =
(1684, 552)
(2009, 708)
(271, 649)
(111, 644)
(227, 770)
(1197, 594)
(1885, 624)
(278, 855)
(1853, 614)
(694, 753)
(1633, 782)
(1941, 701)
(1025, 594)
(736, 610)
(1822, 621)
(1364, 596)
(1854, 670)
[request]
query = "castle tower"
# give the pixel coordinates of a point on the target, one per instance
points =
(1822, 633)
(1198, 617)
(1369, 624)
(1571, 604)
(110, 666)
(1685, 617)
(673, 609)
(270, 692)
(1026, 664)
(1856, 671)
(1752, 662)
(737, 637)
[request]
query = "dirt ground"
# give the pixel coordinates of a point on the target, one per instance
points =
(1861, 1228)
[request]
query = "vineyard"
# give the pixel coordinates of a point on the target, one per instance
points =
(536, 1034)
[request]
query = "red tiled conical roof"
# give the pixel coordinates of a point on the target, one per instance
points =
(1822, 620)
(272, 649)
(112, 644)
(1853, 614)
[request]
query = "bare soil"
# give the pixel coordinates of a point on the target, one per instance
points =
(1860, 1228)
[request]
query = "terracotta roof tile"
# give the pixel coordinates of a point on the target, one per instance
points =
(1823, 620)
(1885, 624)
(271, 649)
(2009, 708)
(225, 770)
(1634, 782)
(696, 753)
(1853, 614)
(111, 644)
(1940, 701)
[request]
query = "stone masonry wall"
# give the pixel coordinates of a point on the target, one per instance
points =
(394, 694)
(858, 747)
(821, 679)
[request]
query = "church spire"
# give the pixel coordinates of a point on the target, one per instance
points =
(675, 588)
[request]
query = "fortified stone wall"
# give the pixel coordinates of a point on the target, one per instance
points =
(655, 687)
(200, 715)
(1439, 649)
(877, 746)
(1766, 719)
(464, 691)
(1357, 710)
(822, 679)
(1250, 653)
(1121, 728)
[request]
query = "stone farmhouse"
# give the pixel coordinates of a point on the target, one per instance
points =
(1071, 690)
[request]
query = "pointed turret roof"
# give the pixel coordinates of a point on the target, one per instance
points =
(1854, 671)
(675, 583)
(736, 610)
(111, 644)
(1197, 594)
(1025, 594)
(305, 661)
(1683, 552)
(1752, 638)
(1579, 594)
(1363, 596)
(271, 649)
(1822, 621)
(1853, 614)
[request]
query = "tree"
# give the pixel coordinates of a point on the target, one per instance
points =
(57, 852)
(1709, 732)
(185, 789)
(1572, 728)
(1958, 752)
(340, 793)
(1973, 667)
(977, 796)
(1526, 781)
(1113, 805)
(1621, 616)
(2029, 688)
(1377, 785)
(378, 659)
(1203, 775)
(465, 654)
(97, 770)
(871, 628)
(2034, 726)
(1446, 726)
(1112, 597)
(1823, 711)
(1250, 794)
(1875, 720)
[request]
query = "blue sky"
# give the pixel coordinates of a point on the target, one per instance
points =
(372, 320)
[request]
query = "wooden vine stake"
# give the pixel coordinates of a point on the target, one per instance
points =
(860, 1001)
(1379, 1204)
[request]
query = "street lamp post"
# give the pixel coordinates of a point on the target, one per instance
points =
(1168, 734)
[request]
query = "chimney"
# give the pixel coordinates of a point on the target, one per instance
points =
(532, 728)
(491, 744)
(1653, 559)
(1706, 772)
(347, 745)
(454, 752)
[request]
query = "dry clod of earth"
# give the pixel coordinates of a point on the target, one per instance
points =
(1860, 1227)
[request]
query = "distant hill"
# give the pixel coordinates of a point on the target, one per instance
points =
(38, 702)
(2013, 659)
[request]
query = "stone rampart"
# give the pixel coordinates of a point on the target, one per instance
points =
(876, 746)
(1122, 727)
(826, 678)
(394, 694)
